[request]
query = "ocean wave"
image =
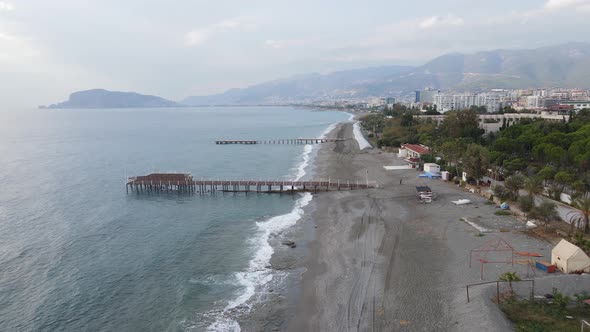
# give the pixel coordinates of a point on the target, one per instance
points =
(259, 272)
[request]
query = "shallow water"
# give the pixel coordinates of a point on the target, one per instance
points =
(77, 253)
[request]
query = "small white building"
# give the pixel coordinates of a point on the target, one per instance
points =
(402, 153)
(569, 258)
(432, 168)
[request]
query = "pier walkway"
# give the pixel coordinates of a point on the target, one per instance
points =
(184, 183)
(302, 141)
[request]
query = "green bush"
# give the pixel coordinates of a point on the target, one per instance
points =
(526, 203)
(502, 213)
(559, 300)
(501, 192)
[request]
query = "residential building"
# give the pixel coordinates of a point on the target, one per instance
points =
(413, 150)
(533, 102)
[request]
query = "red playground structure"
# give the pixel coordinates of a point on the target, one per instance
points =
(493, 251)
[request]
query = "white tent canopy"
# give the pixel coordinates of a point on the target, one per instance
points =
(569, 258)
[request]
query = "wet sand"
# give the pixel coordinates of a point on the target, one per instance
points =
(382, 261)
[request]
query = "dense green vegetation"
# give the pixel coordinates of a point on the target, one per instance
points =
(551, 315)
(530, 154)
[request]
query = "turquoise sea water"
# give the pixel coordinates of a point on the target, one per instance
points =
(79, 254)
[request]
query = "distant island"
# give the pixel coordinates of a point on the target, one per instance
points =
(100, 98)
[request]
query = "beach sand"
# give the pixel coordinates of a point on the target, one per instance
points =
(379, 260)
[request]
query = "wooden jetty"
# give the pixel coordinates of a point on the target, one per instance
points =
(184, 183)
(302, 141)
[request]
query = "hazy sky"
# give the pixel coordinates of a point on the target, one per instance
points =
(49, 48)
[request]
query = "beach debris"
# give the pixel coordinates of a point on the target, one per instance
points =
(396, 168)
(289, 243)
(476, 226)
(504, 206)
(462, 201)
(404, 322)
(528, 254)
(530, 224)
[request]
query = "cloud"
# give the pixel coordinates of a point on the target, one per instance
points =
(5, 6)
(560, 4)
(7, 37)
(441, 21)
(276, 44)
(201, 35)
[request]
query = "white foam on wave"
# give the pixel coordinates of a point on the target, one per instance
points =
(358, 136)
(304, 163)
(258, 273)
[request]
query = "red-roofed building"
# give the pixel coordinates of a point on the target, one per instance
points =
(413, 151)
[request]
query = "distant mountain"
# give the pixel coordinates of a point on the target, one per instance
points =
(565, 65)
(99, 98)
(301, 87)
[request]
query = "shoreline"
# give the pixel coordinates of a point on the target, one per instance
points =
(378, 259)
(274, 299)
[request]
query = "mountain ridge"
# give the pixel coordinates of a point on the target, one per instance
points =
(564, 65)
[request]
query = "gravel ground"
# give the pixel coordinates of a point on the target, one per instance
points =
(379, 260)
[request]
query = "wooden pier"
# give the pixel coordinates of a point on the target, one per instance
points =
(184, 183)
(302, 141)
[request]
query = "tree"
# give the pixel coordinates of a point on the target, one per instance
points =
(545, 212)
(452, 150)
(510, 277)
(461, 124)
(476, 161)
(501, 192)
(526, 203)
(373, 122)
(564, 177)
(533, 186)
(582, 216)
(547, 173)
(514, 184)
(407, 120)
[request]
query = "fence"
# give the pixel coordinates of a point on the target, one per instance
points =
(515, 288)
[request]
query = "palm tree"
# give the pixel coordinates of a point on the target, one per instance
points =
(533, 186)
(582, 216)
(513, 184)
(509, 277)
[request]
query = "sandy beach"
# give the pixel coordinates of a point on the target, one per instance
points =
(382, 261)
(379, 260)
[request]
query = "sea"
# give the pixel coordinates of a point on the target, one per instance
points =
(77, 253)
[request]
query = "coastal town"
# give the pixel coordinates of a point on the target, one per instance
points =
(556, 100)
(524, 167)
(297, 166)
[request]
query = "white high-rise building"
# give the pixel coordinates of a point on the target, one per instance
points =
(448, 102)
(533, 102)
